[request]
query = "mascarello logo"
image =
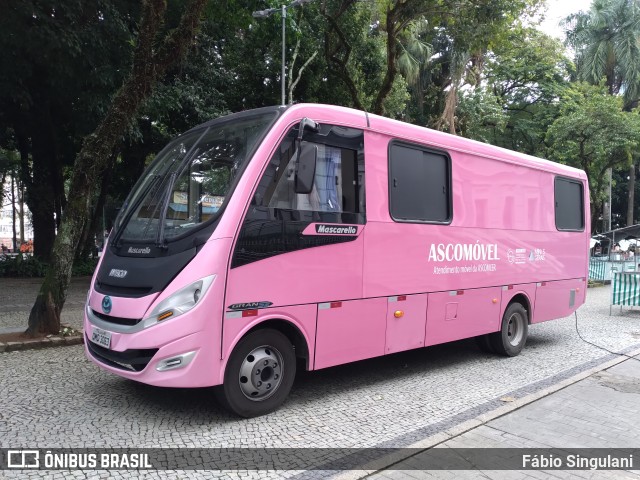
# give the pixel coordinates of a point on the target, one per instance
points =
(139, 251)
(336, 229)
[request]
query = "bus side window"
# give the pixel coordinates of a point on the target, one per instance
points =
(338, 186)
(419, 184)
(278, 215)
(327, 192)
(569, 204)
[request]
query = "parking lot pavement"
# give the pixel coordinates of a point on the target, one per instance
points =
(57, 398)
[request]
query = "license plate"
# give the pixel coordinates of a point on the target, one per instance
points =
(101, 337)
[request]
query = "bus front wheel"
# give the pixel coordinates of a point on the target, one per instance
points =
(511, 338)
(259, 374)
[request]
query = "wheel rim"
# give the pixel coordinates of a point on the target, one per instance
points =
(261, 373)
(515, 329)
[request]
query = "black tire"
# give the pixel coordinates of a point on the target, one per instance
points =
(512, 337)
(484, 343)
(259, 374)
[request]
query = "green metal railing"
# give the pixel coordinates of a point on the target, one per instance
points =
(625, 289)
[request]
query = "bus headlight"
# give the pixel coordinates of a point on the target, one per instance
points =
(180, 302)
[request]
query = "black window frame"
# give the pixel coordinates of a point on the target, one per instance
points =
(425, 149)
(555, 203)
(267, 231)
(352, 218)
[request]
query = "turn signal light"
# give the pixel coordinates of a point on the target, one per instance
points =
(398, 314)
(165, 315)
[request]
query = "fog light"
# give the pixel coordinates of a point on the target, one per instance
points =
(175, 362)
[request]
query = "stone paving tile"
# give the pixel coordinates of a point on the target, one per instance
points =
(593, 413)
(57, 398)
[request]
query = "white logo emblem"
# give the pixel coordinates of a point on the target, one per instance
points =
(23, 459)
(118, 273)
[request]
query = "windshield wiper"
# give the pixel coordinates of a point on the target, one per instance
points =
(132, 209)
(163, 212)
(160, 240)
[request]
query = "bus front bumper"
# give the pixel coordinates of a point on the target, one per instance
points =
(155, 355)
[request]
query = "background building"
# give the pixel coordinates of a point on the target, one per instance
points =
(8, 202)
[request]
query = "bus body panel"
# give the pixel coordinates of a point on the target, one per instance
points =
(396, 285)
(202, 371)
(314, 275)
(349, 331)
(412, 258)
(527, 291)
(198, 330)
(236, 326)
(459, 314)
(406, 322)
(124, 307)
(558, 299)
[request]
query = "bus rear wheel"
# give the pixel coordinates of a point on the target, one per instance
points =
(259, 374)
(512, 337)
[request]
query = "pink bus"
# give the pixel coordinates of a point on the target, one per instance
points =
(310, 236)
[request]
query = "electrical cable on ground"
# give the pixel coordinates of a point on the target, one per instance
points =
(632, 357)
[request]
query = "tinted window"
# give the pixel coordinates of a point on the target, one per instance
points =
(338, 188)
(278, 215)
(190, 180)
(419, 184)
(569, 204)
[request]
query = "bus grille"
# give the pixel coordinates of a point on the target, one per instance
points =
(116, 320)
(130, 360)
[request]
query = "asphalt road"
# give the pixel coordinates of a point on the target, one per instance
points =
(57, 398)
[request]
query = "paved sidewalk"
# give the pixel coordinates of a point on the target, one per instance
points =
(446, 395)
(18, 294)
(601, 411)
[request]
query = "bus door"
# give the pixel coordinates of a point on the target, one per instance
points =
(304, 248)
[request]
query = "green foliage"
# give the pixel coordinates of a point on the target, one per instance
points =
(463, 37)
(28, 266)
(481, 116)
(525, 75)
(592, 126)
(84, 267)
(593, 133)
(60, 64)
(20, 266)
(607, 45)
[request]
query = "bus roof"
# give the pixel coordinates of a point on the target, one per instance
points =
(419, 134)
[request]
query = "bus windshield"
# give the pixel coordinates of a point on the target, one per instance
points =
(189, 182)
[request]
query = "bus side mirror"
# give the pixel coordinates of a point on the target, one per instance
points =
(306, 167)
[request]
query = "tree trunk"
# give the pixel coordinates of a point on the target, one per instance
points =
(151, 60)
(392, 56)
(16, 247)
(448, 118)
(631, 189)
(21, 202)
(88, 239)
(40, 189)
(40, 202)
(596, 207)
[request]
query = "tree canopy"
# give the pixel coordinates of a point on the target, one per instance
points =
(478, 68)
